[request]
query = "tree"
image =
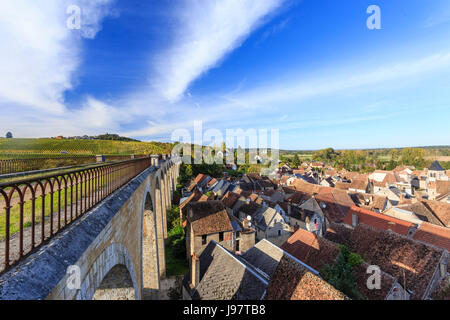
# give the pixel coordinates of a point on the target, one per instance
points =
(9, 135)
(342, 275)
(296, 161)
(413, 157)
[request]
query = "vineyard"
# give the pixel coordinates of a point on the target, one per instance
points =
(35, 148)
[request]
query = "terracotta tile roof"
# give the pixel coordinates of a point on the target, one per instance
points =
(338, 233)
(422, 212)
(312, 250)
(288, 190)
(293, 281)
(359, 184)
(369, 201)
(192, 198)
(397, 255)
(387, 282)
(305, 187)
(442, 187)
(200, 177)
(297, 197)
(230, 199)
(208, 217)
(343, 185)
(440, 209)
(435, 235)
(211, 182)
(250, 208)
(442, 290)
(378, 220)
(204, 198)
(269, 192)
(317, 251)
(334, 203)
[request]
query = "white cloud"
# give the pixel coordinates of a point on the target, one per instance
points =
(207, 31)
(38, 53)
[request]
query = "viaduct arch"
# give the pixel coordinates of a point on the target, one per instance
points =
(125, 231)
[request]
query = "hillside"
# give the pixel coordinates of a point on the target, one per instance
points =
(10, 147)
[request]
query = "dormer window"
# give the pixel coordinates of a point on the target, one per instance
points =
(220, 236)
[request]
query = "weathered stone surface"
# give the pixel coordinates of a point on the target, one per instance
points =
(110, 234)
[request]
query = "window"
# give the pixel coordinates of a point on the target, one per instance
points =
(220, 236)
(279, 232)
(204, 239)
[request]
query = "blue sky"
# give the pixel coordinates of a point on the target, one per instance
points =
(311, 69)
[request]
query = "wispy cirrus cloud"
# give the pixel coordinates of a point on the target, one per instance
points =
(39, 54)
(206, 32)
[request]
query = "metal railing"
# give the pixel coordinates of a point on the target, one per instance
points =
(16, 165)
(34, 210)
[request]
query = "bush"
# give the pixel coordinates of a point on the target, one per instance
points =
(176, 239)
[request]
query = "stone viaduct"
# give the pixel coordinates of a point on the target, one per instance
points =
(127, 229)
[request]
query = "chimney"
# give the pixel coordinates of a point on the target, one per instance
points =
(245, 223)
(302, 212)
(195, 271)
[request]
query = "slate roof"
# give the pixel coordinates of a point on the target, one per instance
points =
(224, 277)
(265, 217)
(436, 166)
(264, 256)
(311, 205)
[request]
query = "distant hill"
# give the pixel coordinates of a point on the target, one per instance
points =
(80, 147)
(115, 137)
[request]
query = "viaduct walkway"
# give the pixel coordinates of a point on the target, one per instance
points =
(75, 235)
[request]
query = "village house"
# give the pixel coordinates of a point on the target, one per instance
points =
(436, 172)
(371, 202)
(217, 274)
(271, 225)
(206, 221)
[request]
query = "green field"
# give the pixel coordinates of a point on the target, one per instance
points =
(9, 148)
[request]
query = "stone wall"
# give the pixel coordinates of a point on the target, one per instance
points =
(126, 229)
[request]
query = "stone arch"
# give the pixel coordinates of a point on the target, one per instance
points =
(150, 263)
(115, 254)
(117, 285)
(164, 198)
(157, 196)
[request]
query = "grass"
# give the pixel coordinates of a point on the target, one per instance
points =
(174, 265)
(27, 209)
(22, 147)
